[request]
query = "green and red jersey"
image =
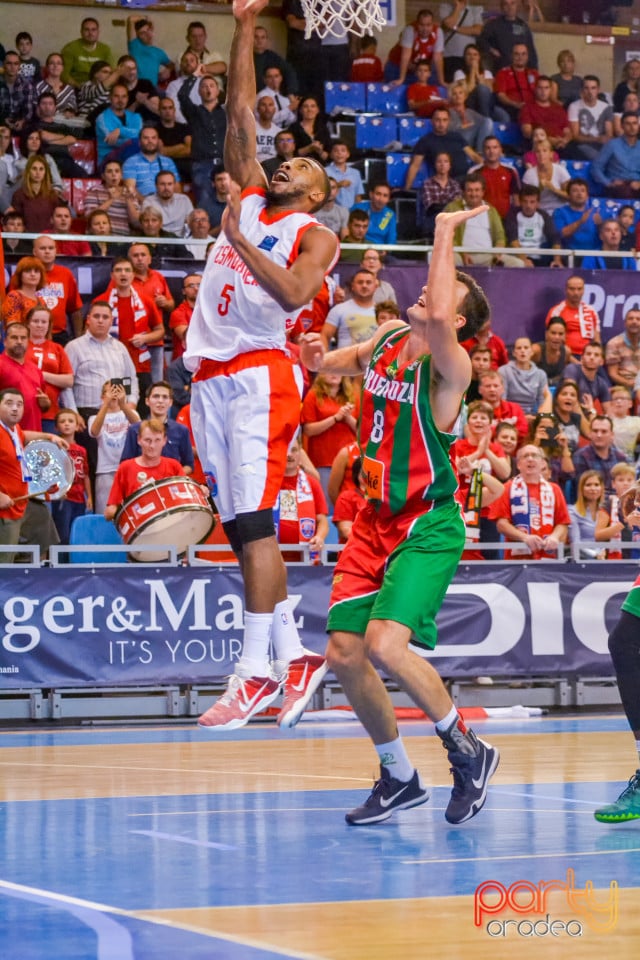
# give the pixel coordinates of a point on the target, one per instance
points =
(405, 457)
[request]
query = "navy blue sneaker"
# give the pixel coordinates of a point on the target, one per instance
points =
(388, 794)
(472, 768)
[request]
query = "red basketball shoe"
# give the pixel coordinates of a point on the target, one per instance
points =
(243, 698)
(304, 676)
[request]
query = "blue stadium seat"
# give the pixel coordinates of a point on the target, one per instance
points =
(375, 133)
(582, 168)
(397, 166)
(410, 129)
(383, 98)
(509, 134)
(516, 163)
(344, 95)
(94, 530)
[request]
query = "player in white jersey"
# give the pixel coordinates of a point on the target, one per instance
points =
(269, 261)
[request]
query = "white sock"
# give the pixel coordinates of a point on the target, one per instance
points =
(285, 638)
(254, 661)
(394, 757)
(448, 721)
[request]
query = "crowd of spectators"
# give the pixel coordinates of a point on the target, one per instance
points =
(156, 125)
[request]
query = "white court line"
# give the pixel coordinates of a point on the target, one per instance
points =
(47, 896)
(177, 838)
(213, 772)
(530, 856)
(542, 796)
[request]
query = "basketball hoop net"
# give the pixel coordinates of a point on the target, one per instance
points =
(340, 17)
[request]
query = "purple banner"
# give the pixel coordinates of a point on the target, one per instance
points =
(521, 299)
(122, 626)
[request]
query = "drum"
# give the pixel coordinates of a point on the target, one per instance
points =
(171, 511)
(52, 470)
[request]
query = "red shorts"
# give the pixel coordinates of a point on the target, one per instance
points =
(244, 413)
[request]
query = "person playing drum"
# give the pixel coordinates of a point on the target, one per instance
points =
(150, 465)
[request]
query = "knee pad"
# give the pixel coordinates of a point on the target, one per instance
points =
(231, 530)
(257, 525)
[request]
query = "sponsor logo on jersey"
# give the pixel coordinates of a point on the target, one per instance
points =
(396, 390)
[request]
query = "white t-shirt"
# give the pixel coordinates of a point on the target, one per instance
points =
(549, 201)
(110, 441)
(354, 324)
(477, 232)
(590, 120)
(266, 141)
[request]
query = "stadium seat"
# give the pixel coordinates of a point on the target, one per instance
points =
(397, 166)
(94, 530)
(85, 155)
(372, 170)
(383, 98)
(582, 168)
(79, 191)
(509, 134)
(375, 133)
(410, 129)
(344, 96)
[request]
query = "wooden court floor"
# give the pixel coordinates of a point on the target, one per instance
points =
(132, 843)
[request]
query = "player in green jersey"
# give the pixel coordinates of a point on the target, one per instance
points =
(406, 542)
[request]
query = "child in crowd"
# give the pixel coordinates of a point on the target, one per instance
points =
(301, 509)
(367, 66)
(349, 501)
(109, 426)
(77, 500)
(626, 428)
(626, 219)
(386, 310)
(423, 97)
(350, 186)
(610, 523)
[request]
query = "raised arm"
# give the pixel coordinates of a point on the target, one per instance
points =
(451, 367)
(291, 287)
(240, 140)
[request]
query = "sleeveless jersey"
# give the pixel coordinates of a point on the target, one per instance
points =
(405, 457)
(233, 314)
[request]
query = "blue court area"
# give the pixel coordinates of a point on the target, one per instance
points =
(79, 873)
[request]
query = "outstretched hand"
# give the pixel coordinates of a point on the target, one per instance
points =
(312, 350)
(243, 9)
(454, 218)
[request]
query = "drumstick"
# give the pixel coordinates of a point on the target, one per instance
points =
(47, 494)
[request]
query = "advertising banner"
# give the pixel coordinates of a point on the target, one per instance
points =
(143, 625)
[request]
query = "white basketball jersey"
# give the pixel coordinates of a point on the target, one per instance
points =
(233, 314)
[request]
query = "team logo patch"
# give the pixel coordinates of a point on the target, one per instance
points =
(141, 476)
(267, 243)
(307, 528)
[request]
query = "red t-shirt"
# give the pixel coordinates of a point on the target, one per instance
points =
(501, 183)
(78, 454)
(11, 481)
(501, 509)
(129, 326)
(26, 378)
(179, 317)
(154, 284)
(131, 475)
(510, 412)
(553, 118)
(348, 504)
(367, 69)
(427, 97)
(60, 294)
(497, 346)
(323, 448)
(517, 85)
(50, 357)
(464, 448)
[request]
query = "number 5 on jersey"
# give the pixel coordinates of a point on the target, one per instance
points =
(225, 299)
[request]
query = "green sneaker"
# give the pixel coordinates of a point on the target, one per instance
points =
(626, 807)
